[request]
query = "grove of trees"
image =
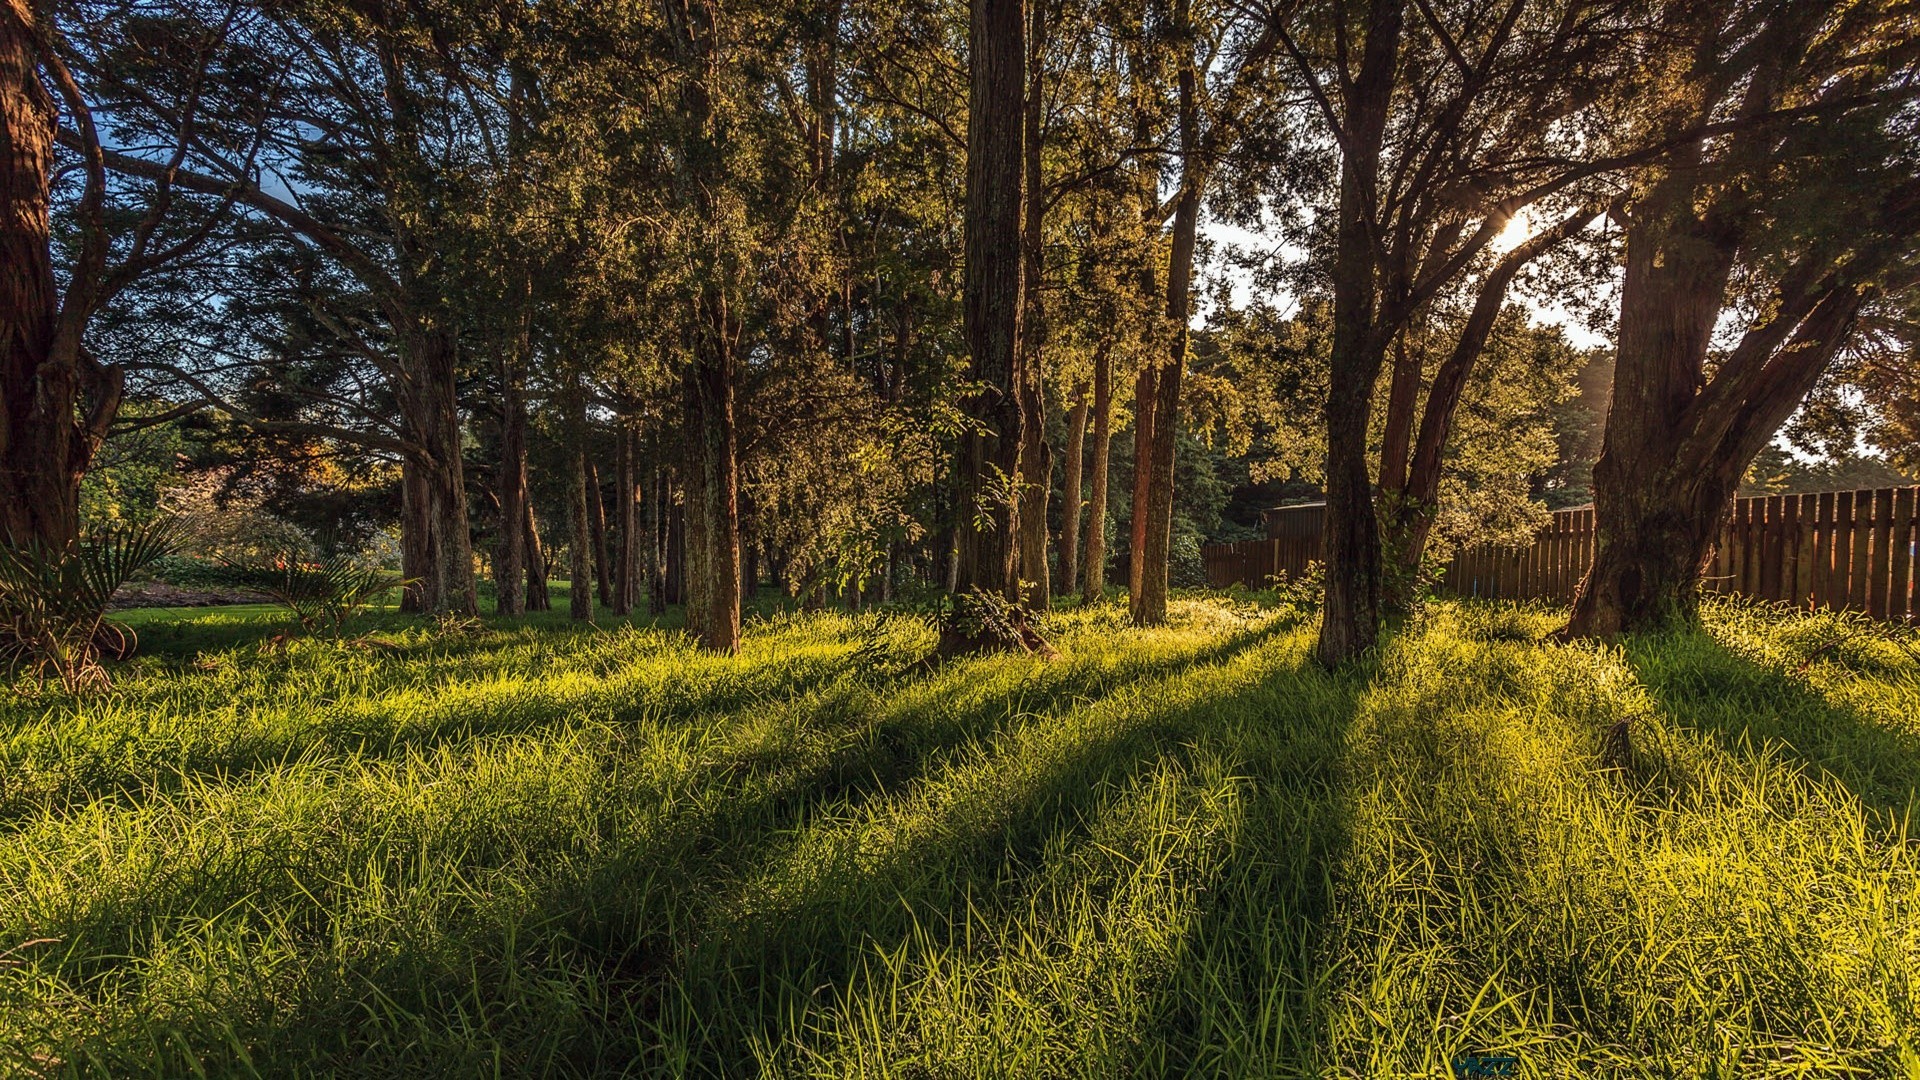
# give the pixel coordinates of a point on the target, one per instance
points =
(876, 297)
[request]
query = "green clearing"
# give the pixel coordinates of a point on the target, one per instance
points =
(541, 850)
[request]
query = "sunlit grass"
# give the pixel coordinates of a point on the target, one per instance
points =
(551, 850)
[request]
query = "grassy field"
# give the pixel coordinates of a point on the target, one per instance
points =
(541, 850)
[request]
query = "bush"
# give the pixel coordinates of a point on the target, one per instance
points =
(53, 601)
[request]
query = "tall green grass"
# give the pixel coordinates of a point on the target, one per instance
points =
(543, 850)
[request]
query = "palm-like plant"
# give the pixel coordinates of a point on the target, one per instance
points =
(321, 595)
(53, 600)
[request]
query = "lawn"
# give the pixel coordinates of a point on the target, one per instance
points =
(543, 850)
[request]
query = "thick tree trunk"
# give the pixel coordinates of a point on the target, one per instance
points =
(441, 551)
(1094, 582)
(988, 524)
(713, 486)
(510, 555)
(1350, 620)
(1073, 498)
(45, 446)
(1676, 442)
(1036, 455)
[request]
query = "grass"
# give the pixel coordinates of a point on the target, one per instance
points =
(543, 850)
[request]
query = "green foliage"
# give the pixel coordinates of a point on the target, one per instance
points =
(321, 596)
(554, 850)
(53, 601)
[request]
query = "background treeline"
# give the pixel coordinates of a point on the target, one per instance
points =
(861, 296)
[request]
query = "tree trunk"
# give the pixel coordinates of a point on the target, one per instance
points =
(580, 532)
(1676, 442)
(713, 485)
(628, 549)
(597, 518)
(1036, 455)
(45, 446)
(1413, 489)
(510, 555)
(662, 518)
(1350, 620)
(1094, 584)
(1072, 497)
(433, 479)
(1153, 549)
(1146, 399)
(538, 598)
(990, 450)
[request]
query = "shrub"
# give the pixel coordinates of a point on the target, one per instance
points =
(320, 595)
(53, 601)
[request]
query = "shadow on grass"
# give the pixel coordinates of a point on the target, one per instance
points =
(744, 923)
(648, 915)
(753, 969)
(1704, 686)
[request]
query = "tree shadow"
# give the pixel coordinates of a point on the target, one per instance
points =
(1746, 706)
(650, 901)
(794, 949)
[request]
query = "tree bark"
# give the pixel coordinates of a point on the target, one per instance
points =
(1677, 442)
(55, 400)
(1350, 620)
(1073, 498)
(433, 477)
(1036, 455)
(538, 598)
(597, 518)
(510, 555)
(713, 484)
(627, 483)
(1414, 487)
(988, 523)
(1094, 582)
(1154, 537)
(580, 528)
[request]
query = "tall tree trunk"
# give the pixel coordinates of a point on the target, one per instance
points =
(1146, 401)
(1036, 454)
(628, 549)
(435, 494)
(538, 598)
(713, 484)
(1149, 599)
(597, 517)
(990, 450)
(662, 518)
(1350, 620)
(45, 375)
(510, 555)
(580, 535)
(1072, 497)
(1094, 584)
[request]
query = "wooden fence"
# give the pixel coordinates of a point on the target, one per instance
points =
(1839, 549)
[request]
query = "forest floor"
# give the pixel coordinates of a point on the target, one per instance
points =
(541, 850)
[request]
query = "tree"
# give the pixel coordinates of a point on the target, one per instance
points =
(989, 466)
(1750, 257)
(58, 401)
